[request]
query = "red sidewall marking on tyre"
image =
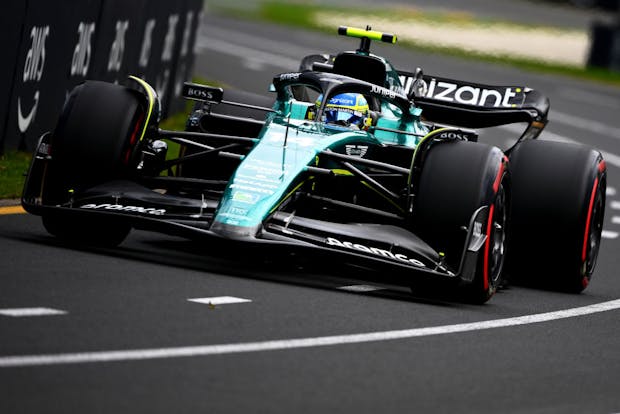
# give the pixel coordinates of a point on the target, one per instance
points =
(133, 139)
(588, 219)
(487, 245)
(496, 184)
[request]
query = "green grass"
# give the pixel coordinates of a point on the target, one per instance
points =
(13, 167)
(299, 14)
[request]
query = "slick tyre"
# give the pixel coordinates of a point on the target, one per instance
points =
(557, 214)
(94, 141)
(457, 178)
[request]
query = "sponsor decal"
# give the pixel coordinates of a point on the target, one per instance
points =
(251, 188)
(261, 177)
(187, 32)
(234, 218)
(341, 101)
(396, 86)
(244, 197)
(129, 209)
(117, 50)
(462, 135)
(236, 213)
(44, 149)
(473, 95)
(167, 53)
(356, 150)
(83, 50)
(33, 72)
(147, 43)
(383, 92)
(477, 229)
(24, 121)
(254, 183)
(238, 210)
(373, 250)
(202, 92)
(290, 76)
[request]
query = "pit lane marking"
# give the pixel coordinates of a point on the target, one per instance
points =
(287, 344)
(609, 234)
(219, 300)
(24, 312)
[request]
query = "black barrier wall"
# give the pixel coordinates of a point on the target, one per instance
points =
(56, 45)
(11, 20)
(119, 40)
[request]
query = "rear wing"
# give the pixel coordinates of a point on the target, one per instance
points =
(475, 105)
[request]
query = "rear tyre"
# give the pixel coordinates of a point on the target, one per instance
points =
(94, 141)
(557, 214)
(456, 179)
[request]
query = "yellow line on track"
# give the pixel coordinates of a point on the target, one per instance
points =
(11, 210)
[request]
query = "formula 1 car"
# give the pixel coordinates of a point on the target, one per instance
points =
(353, 160)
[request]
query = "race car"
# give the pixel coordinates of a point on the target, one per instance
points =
(351, 160)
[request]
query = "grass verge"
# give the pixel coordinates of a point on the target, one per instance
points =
(13, 167)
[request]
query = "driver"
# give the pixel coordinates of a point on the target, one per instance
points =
(347, 109)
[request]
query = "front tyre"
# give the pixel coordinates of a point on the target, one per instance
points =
(94, 141)
(458, 178)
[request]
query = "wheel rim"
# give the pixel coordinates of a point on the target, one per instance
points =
(497, 238)
(594, 236)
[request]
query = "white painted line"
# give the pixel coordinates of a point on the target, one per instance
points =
(606, 234)
(611, 159)
(615, 205)
(222, 349)
(255, 55)
(584, 97)
(615, 219)
(584, 124)
(610, 191)
(360, 288)
(219, 300)
(20, 312)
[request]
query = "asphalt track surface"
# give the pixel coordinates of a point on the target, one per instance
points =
(114, 330)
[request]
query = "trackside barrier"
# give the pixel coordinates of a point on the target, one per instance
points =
(11, 21)
(52, 45)
(605, 48)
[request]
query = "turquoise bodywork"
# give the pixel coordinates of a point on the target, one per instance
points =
(289, 142)
(277, 163)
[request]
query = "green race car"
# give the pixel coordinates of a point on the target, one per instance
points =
(353, 160)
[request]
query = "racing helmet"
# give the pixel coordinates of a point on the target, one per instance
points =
(348, 109)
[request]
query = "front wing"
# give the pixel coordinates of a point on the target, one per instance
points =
(398, 255)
